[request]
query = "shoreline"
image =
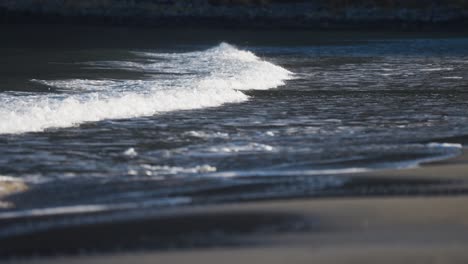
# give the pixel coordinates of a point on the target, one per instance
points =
(329, 230)
(386, 230)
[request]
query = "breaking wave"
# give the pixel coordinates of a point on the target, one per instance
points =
(184, 81)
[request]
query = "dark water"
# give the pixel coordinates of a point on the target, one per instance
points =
(101, 124)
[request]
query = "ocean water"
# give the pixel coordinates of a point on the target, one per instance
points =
(100, 131)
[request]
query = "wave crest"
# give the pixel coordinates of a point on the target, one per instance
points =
(192, 80)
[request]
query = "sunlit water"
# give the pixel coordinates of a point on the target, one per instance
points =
(95, 132)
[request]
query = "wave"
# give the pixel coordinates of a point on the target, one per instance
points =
(185, 81)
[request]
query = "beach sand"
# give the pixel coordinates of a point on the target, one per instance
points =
(9, 186)
(380, 229)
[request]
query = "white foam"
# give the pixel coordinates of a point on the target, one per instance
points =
(234, 148)
(9, 179)
(445, 145)
(156, 170)
(269, 173)
(437, 69)
(204, 134)
(131, 152)
(194, 80)
(453, 78)
(446, 151)
(77, 84)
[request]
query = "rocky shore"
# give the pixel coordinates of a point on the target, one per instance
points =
(390, 14)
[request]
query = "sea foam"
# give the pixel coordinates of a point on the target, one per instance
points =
(185, 81)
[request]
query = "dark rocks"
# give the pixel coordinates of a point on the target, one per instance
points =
(243, 13)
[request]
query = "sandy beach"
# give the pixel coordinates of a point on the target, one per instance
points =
(394, 229)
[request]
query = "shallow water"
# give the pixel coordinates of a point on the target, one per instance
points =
(96, 128)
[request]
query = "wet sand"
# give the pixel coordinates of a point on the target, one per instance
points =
(398, 229)
(9, 186)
